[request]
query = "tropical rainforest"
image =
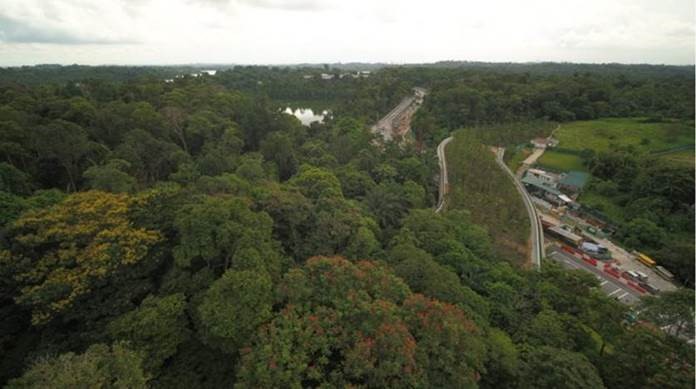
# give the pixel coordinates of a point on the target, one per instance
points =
(164, 230)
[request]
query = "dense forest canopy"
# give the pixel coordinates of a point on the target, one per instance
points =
(188, 233)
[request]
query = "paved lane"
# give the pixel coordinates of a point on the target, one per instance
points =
(609, 285)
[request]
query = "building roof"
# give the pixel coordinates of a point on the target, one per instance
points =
(536, 182)
(536, 171)
(565, 198)
(561, 231)
(575, 178)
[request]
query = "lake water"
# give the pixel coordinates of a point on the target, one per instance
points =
(307, 115)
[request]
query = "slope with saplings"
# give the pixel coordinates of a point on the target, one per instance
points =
(478, 185)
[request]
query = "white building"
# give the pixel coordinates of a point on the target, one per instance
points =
(542, 143)
(547, 178)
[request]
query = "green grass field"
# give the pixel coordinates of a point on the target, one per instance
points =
(560, 161)
(597, 135)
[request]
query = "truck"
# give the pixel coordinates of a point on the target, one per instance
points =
(596, 250)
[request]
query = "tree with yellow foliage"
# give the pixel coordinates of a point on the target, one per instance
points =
(59, 253)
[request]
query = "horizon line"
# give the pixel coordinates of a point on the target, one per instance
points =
(320, 63)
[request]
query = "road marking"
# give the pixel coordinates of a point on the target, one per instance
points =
(622, 296)
(614, 292)
(603, 282)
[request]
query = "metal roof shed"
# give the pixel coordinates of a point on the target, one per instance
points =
(574, 180)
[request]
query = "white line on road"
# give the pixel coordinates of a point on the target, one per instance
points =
(571, 264)
(614, 292)
(623, 295)
(603, 282)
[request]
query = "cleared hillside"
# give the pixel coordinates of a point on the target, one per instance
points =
(479, 186)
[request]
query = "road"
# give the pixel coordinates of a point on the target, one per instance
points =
(444, 183)
(611, 286)
(536, 231)
(397, 121)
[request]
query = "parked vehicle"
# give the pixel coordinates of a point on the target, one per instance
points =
(664, 273)
(649, 287)
(630, 275)
(645, 259)
(596, 250)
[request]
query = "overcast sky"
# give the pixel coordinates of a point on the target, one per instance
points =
(321, 31)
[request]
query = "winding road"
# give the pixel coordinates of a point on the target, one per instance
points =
(444, 183)
(536, 231)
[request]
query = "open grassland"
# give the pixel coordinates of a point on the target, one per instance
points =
(683, 157)
(645, 136)
(510, 134)
(515, 156)
(560, 161)
(478, 185)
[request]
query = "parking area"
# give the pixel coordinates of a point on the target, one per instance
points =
(628, 261)
(609, 285)
(623, 259)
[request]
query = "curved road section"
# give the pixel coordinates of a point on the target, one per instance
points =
(536, 231)
(444, 183)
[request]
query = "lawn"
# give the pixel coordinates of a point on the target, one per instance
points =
(561, 162)
(597, 135)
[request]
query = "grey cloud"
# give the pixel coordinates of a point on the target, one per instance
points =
(286, 5)
(290, 5)
(17, 31)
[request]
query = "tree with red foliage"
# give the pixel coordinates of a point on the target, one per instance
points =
(357, 324)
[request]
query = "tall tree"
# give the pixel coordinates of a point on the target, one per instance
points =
(100, 366)
(61, 252)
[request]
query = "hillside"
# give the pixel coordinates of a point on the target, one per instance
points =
(478, 185)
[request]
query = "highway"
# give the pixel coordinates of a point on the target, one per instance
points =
(536, 231)
(397, 121)
(444, 183)
(609, 285)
